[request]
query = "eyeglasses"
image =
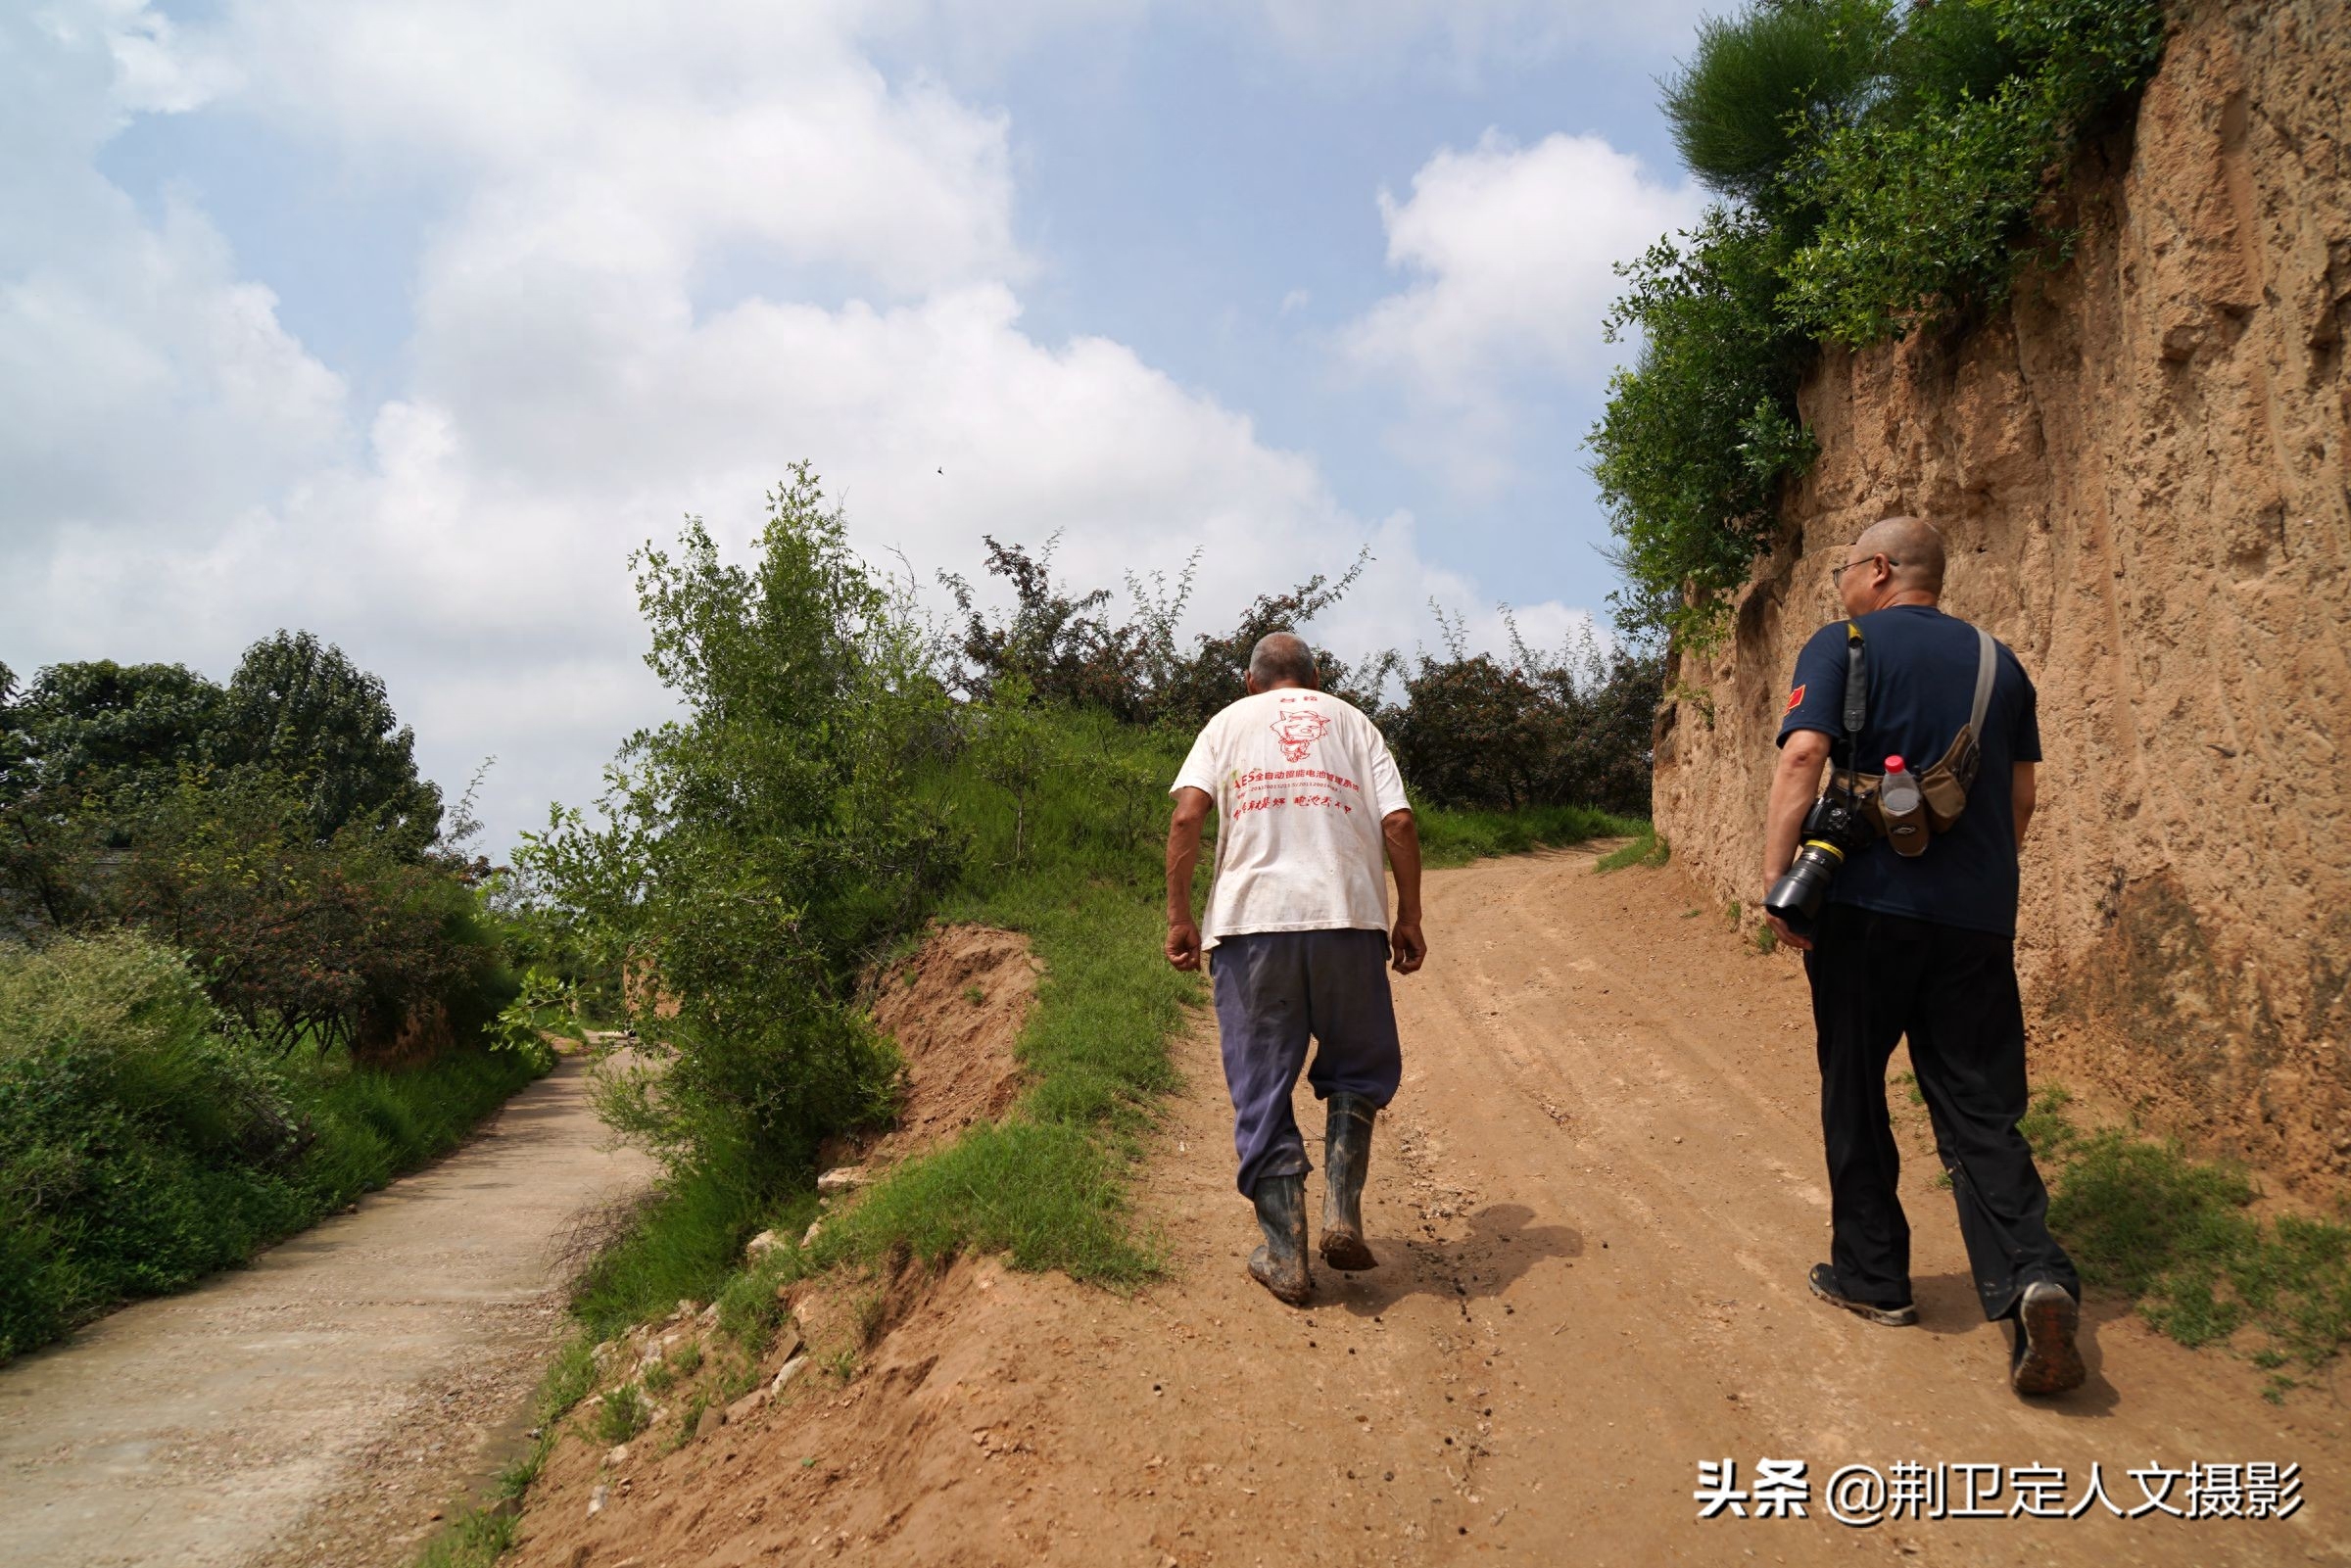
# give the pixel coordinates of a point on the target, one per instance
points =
(1836, 574)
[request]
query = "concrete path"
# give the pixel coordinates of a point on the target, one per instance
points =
(323, 1405)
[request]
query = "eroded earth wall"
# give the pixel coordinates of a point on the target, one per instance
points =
(2140, 466)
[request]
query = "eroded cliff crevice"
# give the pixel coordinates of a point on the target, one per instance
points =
(2141, 465)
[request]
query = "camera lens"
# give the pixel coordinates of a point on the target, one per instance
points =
(1796, 898)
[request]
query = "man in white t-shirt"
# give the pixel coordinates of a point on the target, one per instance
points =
(1310, 811)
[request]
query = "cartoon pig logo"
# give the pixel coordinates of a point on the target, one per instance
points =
(1297, 733)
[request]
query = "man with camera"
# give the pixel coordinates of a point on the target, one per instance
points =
(1899, 882)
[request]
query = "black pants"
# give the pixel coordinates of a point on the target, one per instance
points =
(1876, 978)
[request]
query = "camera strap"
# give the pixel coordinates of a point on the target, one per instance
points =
(1947, 783)
(1856, 694)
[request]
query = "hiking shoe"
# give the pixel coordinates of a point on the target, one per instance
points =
(2044, 1358)
(1891, 1314)
(1280, 1263)
(1346, 1157)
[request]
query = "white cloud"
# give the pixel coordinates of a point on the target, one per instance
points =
(1514, 249)
(141, 379)
(184, 476)
(727, 122)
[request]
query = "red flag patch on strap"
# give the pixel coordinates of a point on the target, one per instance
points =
(1795, 700)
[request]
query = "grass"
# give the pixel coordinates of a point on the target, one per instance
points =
(1047, 1185)
(2180, 1236)
(681, 1244)
(1647, 847)
(1457, 837)
(620, 1414)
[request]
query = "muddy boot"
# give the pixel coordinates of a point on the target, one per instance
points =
(1280, 1263)
(1346, 1154)
(2043, 1359)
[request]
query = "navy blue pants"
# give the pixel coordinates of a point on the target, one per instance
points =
(1877, 977)
(1276, 989)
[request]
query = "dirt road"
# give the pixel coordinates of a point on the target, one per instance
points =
(1595, 1199)
(320, 1406)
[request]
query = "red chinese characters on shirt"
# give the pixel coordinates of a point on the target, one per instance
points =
(1297, 733)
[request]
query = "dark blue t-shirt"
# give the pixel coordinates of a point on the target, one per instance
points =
(1921, 666)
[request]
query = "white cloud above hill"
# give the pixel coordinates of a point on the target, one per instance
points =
(184, 475)
(1513, 250)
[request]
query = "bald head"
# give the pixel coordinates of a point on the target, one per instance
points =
(1280, 658)
(1911, 546)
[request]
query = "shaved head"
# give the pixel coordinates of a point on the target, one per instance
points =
(1912, 545)
(1280, 656)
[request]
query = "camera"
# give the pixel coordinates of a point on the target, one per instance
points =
(1831, 827)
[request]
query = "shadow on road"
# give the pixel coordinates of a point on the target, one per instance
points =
(1502, 1244)
(1948, 1305)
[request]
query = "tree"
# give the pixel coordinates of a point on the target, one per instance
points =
(299, 708)
(755, 850)
(344, 943)
(98, 731)
(80, 750)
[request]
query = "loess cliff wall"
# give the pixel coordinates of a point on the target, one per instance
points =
(2140, 466)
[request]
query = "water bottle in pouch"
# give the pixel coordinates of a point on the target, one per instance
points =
(1904, 809)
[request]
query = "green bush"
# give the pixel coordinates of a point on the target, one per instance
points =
(757, 849)
(1743, 106)
(1884, 169)
(1540, 731)
(146, 1140)
(1925, 202)
(1697, 437)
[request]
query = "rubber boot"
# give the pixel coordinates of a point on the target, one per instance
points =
(1280, 1263)
(1346, 1156)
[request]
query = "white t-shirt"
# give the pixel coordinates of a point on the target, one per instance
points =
(1301, 781)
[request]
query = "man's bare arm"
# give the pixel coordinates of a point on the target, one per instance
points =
(1184, 856)
(1795, 783)
(1405, 945)
(2023, 792)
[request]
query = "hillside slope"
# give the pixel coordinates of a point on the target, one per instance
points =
(1596, 1199)
(2142, 470)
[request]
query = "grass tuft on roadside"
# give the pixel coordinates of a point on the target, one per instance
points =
(1646, 847)
(2180, 1236)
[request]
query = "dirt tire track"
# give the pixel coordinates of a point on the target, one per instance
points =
(1596, 1199)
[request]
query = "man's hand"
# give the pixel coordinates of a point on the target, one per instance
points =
(1402, 836)
(1183, 853)
(1802, 944)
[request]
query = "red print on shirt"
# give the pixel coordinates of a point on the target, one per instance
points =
(1298, 732)
(1795, 700)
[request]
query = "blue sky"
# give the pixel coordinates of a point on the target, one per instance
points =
(403, 321)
